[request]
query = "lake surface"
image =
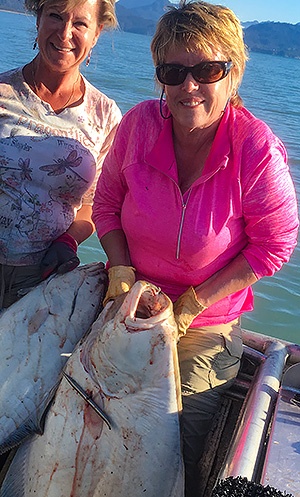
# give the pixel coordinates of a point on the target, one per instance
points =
(121, 67)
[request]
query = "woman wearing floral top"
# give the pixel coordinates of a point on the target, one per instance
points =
(55, 130)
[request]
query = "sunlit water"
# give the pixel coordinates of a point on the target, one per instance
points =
(121, 67)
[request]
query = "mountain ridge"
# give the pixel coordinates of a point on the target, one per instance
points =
(141, 16)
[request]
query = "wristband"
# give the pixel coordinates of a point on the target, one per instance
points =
(68, 240)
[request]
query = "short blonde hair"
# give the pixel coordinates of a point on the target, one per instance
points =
(198, 25)
(106, 15)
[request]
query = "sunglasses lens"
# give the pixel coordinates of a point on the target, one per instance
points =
(171, 74)
(209, 72)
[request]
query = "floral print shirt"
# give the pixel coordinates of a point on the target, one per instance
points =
(49, 164)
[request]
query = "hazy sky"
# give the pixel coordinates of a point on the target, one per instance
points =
(264, 10)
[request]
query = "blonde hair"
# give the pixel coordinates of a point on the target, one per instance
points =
(198, 25)
(106, 14)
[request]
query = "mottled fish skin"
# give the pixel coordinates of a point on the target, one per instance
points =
(128, 365)
(37, 335)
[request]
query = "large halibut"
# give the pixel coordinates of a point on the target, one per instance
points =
(128, 366)
(37, 335)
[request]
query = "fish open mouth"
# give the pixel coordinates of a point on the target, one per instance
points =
(147, 304)
(151, 304)
(140, 308)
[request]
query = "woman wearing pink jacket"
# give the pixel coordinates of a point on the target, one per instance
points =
(196, 197)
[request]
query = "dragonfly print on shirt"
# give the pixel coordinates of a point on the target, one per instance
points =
(11, 182)
(65, 166)
(34, 192)
(61, 165)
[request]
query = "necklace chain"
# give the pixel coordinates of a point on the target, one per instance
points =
(70, 96)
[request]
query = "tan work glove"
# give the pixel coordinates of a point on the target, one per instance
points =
(120, 280)
(186, 308)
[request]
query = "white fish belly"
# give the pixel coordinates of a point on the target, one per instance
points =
(128, 366)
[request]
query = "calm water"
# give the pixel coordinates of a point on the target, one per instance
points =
(121, 67)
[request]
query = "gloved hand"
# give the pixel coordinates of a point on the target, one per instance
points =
(121, 279)
(61, 256)
(186, 308)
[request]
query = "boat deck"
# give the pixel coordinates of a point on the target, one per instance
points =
(256, 434)
(282, 466)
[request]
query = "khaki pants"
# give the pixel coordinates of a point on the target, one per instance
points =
(15, 281)
(209, 360)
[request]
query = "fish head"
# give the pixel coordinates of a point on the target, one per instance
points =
(136, 343)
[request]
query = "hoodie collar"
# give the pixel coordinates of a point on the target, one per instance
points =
(162, 155)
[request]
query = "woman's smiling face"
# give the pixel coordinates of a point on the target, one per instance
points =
(196, 105)
(66, 37)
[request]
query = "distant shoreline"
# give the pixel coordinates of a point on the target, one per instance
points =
(272, 38)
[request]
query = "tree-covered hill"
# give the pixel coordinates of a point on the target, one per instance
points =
(276, 38)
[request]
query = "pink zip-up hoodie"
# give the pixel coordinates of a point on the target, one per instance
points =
(244, 202)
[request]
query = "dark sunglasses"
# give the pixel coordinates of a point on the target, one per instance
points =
(205, 72)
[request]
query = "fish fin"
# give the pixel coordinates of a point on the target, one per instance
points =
(33, 424)
(14, 481)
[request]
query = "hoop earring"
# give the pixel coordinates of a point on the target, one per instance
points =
(35, 44)
(161, 106)
(88, 60)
